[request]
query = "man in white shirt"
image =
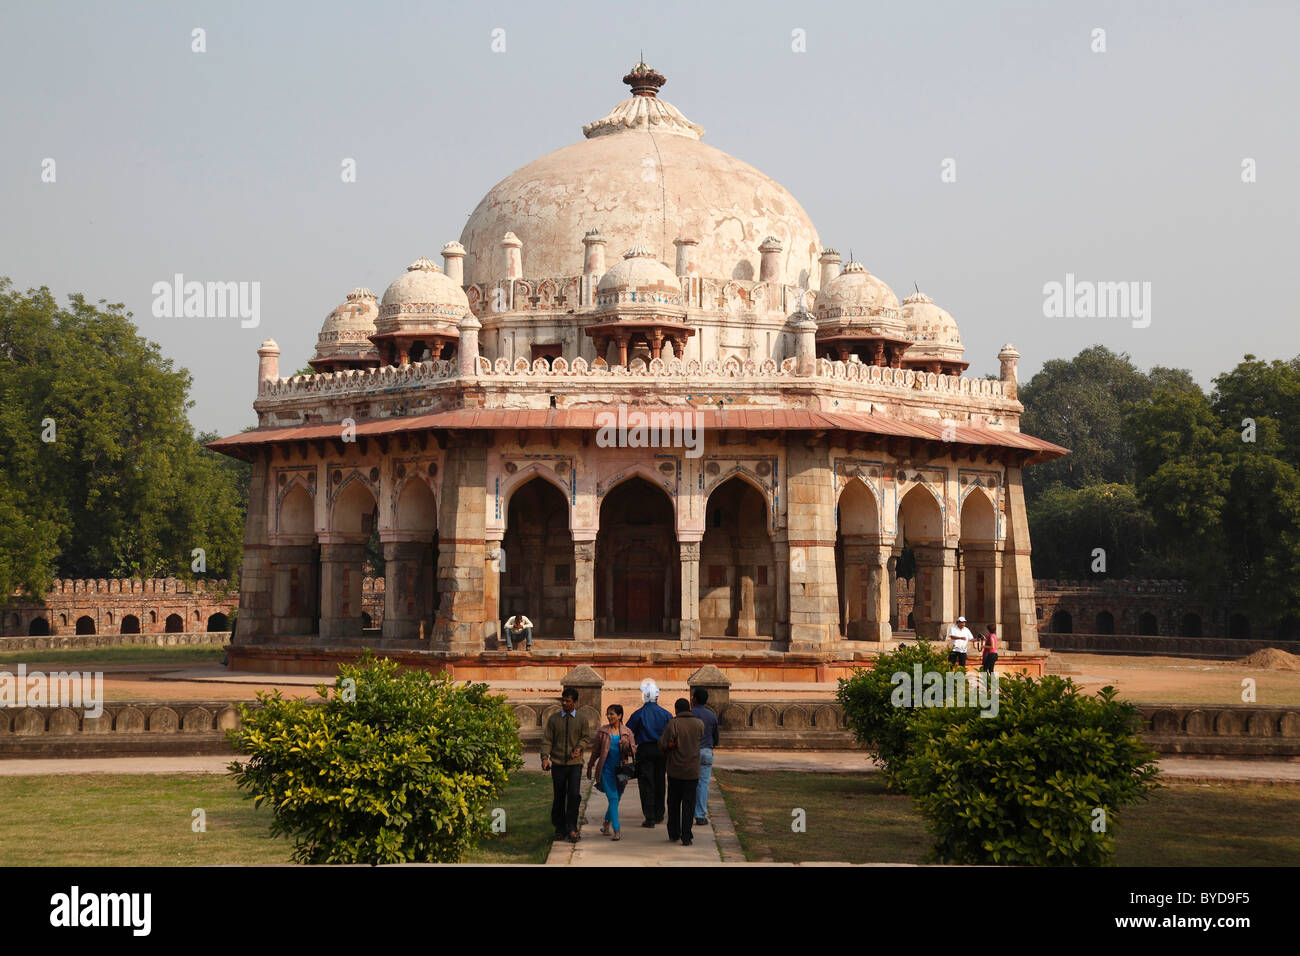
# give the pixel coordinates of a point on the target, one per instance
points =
(959, 638)
(515, 626)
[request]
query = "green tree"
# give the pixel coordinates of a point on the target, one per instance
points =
(1041, 782)
(1080, 404)
(394, 767)
(1226, 494)
(875, 714)
(1069, 524)
(101, 462)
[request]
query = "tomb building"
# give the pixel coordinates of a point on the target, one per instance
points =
(641, 402)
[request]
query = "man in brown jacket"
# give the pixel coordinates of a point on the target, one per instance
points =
(566, 736)
(680, 741)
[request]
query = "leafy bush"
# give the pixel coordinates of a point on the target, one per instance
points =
(869, 708)
(1025, 786)
(393, 767)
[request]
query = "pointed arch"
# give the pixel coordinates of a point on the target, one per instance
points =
(737, 586)
(751, 478)
(296, 510)
(638, 589)
(354, 504)
(538, 576)
(415, 506)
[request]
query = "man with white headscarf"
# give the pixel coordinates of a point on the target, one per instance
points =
(647, 724)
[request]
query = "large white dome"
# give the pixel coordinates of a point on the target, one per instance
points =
(642, 177)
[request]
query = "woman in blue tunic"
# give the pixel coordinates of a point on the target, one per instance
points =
(614, 746)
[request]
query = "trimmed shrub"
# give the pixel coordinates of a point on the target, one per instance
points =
(1040, 782)
(873, 710)
(393, 767)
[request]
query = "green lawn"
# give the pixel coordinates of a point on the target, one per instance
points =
(851, 817)
(122, 654)
(146, 820)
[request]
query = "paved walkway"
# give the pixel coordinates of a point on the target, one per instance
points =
(1187, 769)
(712, 843)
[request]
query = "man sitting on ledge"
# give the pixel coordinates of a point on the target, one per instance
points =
(515, 626)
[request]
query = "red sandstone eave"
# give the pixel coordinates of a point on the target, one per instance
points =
(245, 444)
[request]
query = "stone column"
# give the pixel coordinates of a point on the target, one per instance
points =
(810, 526)
(690, 626)
(256, 582)
(459, 622)
(593, 263)
(781, 551)
(892, 566)
(983, 578)
(453, 262)
(880, 591)
(467, 349)
(866, 588)
(1021, 621)
(268, 363)
(584, 589)
(493, 555)
(408, 586)
(292, 602)
(512, 254)
(769, 267)
(830, 262)
(1009, 358)
(685, 256)
(805, 327)
(935, 594)
(342, 560)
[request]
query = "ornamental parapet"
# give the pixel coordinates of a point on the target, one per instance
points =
(354, 381)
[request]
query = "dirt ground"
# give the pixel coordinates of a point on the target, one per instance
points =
(1178, 679)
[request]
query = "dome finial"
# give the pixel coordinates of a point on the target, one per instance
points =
(644, 80)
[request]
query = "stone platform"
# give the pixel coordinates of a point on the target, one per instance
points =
(613, 659)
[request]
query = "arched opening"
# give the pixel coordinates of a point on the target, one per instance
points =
(638, 584)
(1062, 623)
(365, 621)
(1238, 626)
(737, 564)
(218, 622)
(174, 624)
(538, 579)
(978, 562)
(343, 560)
(295, 582)
(85, 625)
(153, 617)
(1191, 625)
(130, 624)
(39, 627)
(410, 563)
(920, 528)
(862, 578)
(1147, 624)
(1105, 623)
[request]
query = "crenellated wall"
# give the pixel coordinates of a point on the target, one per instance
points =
(108, 606)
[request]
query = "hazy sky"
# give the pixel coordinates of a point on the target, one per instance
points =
(1123, 165)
